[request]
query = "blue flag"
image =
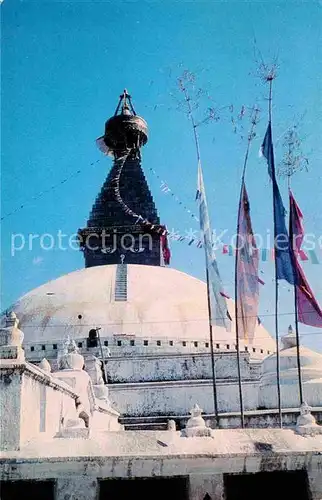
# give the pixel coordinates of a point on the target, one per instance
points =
(283, 252)
(219, 312)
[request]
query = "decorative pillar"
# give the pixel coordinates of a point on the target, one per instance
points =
(306, 424)
(171, 425)
(196, 425)
(71, 371)
(11, 339)
(12, 357)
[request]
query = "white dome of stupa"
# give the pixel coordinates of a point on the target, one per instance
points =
(158, 303)
(311, 373)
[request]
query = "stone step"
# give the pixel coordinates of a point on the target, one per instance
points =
(120, 293)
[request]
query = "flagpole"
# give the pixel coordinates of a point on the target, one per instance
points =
(213, 370)
(214, 381)
(278, 379)
(298, 354)
(242, 416)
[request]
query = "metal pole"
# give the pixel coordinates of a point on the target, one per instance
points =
(298, 356)
(241, 403)
(276, 286)
(242, 417)
(277, 354)
(102, 352)
(214, 383)
(298, 346)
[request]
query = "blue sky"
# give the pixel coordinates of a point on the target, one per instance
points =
(64, 65)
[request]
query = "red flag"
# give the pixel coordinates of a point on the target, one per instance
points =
(247, 272)
(165, 247)
(308, 309)
(297, 228)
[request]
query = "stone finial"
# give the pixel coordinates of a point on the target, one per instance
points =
(171, 426)
(45, 365)
(12, 320)
(11, 338)
(306, 423)
(196, 419)
(10, 334)
(70, 359)
(196, 425)
(289, 340)
(70, 346)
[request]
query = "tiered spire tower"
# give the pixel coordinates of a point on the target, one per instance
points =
(117, 230)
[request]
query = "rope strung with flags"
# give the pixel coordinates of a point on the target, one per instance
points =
(161, 230)
(120, 162)
(45, 191)
(265, 254)
(167, 190)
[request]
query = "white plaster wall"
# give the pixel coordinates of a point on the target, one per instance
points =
(177, 398)
(43, 406)
(35, 353)
(10, 404)
(31, 405)
(179, 367)
(290, 396)
(77, 479)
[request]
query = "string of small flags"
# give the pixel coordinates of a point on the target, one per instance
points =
(41, 193)
(189, 239)
(266, 254)
(120, 162)
(164, 186)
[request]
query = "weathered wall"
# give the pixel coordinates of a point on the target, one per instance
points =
(120, 347)
(177, 398)
(32, 404)
(78, 478)
(43, 406)
(266, 419)
(10, 404)
(290, 395)
(179, 367)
